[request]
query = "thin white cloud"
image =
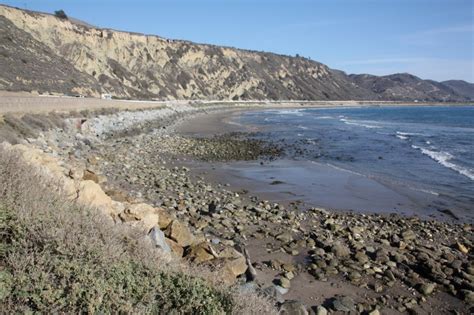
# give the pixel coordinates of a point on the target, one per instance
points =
(467, 28)
(434, 36)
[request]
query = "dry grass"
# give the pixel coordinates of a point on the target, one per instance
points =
(57, 257)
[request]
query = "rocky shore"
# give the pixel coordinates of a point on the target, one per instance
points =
(306, 260)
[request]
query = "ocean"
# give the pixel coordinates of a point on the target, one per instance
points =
(423, 154)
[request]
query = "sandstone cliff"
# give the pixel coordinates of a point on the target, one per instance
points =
(131, 65)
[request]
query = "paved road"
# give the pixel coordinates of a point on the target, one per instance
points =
(41, 104)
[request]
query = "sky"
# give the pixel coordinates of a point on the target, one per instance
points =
(432, 39)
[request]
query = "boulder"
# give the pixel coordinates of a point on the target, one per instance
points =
(468, 296)
(175, 248)
(90, 175)
(91, 194)
(229, 252)
(293, 307)
(321, 310)
(144, 214)
(344, 304)
(165, 218)
(231, 268)
(340, 250)
(427, 288)
(201, 252)
(158, 238)
(284, 282)
(462, 248)
(273, 293)
(408, 235)
(179, 233)
(284, 237)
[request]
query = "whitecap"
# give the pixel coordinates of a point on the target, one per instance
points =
(402, 137)
(409, 133)
(444, 158)
(297, 112)
(358, 123)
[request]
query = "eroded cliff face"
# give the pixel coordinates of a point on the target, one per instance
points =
(141, 66)
(69, 57)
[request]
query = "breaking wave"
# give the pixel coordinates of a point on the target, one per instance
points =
(444, 158)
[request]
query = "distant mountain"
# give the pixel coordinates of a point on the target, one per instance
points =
(404, 86)
(44, 53)
(461, 87)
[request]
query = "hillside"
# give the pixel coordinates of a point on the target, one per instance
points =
(77, 58)
(461, 87)
(406, 87)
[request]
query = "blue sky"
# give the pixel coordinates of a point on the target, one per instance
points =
(433, 39)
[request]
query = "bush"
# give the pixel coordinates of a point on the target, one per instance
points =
(60, 14)
(57, 257)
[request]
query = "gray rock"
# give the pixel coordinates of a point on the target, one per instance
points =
(281, 289)
(273, 293)
(284, 282)
(468, 296)
(340, 250)
(321, 310)
(427, 288)
(344, 304)
(158, 238)
(293, 307)
(249, 287)
(284, 237)
(408, 235)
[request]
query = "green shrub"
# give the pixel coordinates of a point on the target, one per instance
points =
(60, 14)
(57, 257)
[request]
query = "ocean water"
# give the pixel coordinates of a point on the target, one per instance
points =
(426, 150)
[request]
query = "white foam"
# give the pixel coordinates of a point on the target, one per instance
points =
(402, 137)
(426, 191)
(358, 123)
(323, 117)
(408, 133)
(297, 112)
(232, 122)
(302, 127)
(443, 158)
(343, 169)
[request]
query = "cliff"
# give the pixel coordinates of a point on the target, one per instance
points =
(81, 59)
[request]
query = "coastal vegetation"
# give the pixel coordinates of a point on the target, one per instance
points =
(59, 257)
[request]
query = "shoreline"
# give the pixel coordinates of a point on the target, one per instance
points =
(23, 102)
(333, 188)
(377, 262)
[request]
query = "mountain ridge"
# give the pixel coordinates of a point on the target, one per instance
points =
(134, 65)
